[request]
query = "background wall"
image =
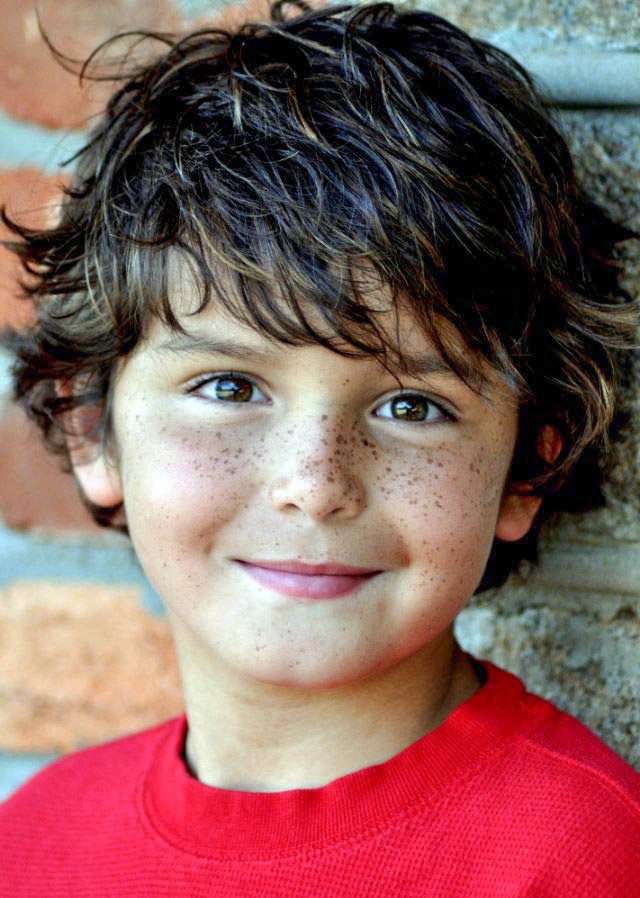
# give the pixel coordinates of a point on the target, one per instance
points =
(85, 653)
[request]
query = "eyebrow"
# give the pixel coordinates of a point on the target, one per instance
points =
(195, 344)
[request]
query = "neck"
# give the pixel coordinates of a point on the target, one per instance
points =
(257, 737)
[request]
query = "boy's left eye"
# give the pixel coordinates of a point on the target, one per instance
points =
(413, 407)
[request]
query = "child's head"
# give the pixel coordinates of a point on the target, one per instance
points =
(346, 191)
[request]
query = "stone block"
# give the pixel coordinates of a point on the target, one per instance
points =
(588, 669)
(605, 145)
(33, 85)
(33, 199)
(35, 491)
(540, 23)
(80, 663)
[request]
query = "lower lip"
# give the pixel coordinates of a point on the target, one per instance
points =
(316, 586)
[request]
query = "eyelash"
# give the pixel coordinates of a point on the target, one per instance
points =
(210, 378)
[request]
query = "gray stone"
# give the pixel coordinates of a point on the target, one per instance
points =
(26, 144)
(475, 628)
(17, 769)
(608, 24)
(588, 670)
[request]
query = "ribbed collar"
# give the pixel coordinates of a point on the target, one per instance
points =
(225, 823)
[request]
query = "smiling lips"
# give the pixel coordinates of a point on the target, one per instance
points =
(309, 581)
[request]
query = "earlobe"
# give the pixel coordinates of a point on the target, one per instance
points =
(518, 511)
(98, 477)
(516, 516)
(100, 481)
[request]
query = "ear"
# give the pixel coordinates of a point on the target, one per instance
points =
(99, 479)
(517, 511)
(95, 471)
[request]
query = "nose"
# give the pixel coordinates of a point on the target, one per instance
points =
(317, 473)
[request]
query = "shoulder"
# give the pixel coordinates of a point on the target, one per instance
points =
(82, 806)
(560, 746)
(551, 805)
(553, 743)
(88, 777)
(580, 797)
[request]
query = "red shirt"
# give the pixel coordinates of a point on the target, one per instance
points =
(508, 797)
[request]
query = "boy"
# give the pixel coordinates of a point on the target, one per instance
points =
(358, 226)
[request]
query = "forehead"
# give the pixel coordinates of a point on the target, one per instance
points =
(215, 328)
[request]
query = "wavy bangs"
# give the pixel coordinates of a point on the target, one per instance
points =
(312, 158)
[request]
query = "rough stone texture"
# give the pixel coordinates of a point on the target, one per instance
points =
(33, 85)
(606, 148)
(609, 24)
(571, 628)
(576, 646)
(80, 664)
(587, 665)
(32, 198)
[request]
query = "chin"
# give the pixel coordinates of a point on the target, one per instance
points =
(304, 674)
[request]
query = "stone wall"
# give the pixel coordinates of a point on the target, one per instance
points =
(82, 630)
(570, 628)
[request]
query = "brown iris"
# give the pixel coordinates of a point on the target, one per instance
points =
(410, 408)
(227, 388)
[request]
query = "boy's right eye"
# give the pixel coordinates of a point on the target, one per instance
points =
(229, 386)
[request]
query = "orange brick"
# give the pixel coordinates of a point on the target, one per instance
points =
(35, 492)
(32, 198)
(33, 85)
(232, 15)
(80, 664)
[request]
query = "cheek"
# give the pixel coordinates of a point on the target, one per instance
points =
(181, 485)
(446, 506)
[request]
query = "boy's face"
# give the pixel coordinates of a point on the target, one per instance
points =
(318, 466)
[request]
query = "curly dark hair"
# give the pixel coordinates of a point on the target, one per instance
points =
(290, 150)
